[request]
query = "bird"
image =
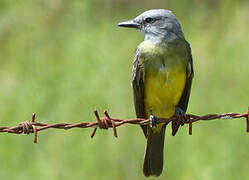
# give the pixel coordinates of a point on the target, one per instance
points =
(162, 75)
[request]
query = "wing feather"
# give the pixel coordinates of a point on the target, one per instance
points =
(183, 103)
(138, 89)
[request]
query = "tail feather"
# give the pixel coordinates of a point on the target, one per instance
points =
(153, 160)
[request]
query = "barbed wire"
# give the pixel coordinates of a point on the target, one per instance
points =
(107, 122)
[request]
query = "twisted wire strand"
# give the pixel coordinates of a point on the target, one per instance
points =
(106, 122)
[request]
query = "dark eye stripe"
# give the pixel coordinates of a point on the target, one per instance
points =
(148, 19)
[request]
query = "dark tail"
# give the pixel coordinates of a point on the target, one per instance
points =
(153, 160)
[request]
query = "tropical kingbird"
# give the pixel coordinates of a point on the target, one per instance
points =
(161, 79)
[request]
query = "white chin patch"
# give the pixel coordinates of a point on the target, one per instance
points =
(142, 32)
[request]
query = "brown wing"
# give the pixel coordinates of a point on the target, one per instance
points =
(138, 89)
(183, 103)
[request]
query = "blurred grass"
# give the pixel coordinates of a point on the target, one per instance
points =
(63, 58)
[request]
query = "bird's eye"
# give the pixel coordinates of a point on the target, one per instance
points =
(148, 20)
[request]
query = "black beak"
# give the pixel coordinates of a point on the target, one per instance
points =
(129, 24)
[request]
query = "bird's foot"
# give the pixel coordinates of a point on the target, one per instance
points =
(181, 116)
(153, 120)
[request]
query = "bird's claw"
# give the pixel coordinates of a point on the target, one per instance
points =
(153, 120)
(181, 115)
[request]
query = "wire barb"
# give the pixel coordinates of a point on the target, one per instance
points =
(190, 127)
(107, 122)
(113, 124)
(247, 121)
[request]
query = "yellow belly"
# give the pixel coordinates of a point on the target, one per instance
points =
(163, 91)
(164, 79)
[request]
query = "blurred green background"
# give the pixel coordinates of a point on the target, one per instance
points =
(63, 58)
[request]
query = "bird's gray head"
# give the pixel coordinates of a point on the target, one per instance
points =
(156, 24)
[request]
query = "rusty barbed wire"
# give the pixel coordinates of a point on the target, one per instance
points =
(107, 122)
